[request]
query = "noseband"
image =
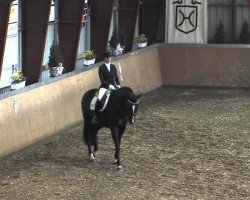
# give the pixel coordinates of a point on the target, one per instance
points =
(133, 102)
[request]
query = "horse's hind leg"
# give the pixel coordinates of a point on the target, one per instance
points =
(94, 141)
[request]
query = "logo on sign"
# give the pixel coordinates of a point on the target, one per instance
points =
(186, 16)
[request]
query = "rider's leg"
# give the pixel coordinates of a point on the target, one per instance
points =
(95, 119)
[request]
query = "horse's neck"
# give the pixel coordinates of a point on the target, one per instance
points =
(119, 104)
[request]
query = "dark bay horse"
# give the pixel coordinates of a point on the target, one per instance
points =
(121, 109)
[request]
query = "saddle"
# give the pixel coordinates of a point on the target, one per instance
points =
(103, 102)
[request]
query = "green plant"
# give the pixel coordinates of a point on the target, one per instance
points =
(18, 77)
(55, 56)
(142, 38)
(116, 38)
(89, 55)
(220, 34)
(8, 1)
(244, 34)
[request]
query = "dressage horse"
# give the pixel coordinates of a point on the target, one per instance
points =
(120, 110)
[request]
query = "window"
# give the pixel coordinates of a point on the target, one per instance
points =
(231, 14)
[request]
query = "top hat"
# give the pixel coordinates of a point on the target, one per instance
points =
(107, 54)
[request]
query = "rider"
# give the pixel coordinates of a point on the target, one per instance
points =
(109, 81)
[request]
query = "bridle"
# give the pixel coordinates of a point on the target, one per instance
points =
(133, 108)
(133, 102)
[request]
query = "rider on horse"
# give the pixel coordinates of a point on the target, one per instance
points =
(109, 81)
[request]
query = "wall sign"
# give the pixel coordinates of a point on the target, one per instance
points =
(186, 16)
(186, 21)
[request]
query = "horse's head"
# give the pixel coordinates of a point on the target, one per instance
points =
(132, 107)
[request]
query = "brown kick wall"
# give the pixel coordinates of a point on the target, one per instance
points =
(43, 109)
(205, 65)
(39, 110)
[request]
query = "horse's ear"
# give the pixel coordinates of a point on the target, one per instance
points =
(138, 96)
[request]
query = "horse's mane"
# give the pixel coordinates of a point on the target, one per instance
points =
(124, 92)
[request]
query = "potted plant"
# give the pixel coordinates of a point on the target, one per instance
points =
(220, 34)
(89, 57)
(244, 34)
(142, 40)
(55, 60)
(18, 80)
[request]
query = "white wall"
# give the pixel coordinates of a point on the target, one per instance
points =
(10, 58)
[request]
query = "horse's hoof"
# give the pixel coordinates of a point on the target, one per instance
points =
(119, 168)
(92, 157)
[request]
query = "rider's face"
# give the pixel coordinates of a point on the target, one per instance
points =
(107, 59)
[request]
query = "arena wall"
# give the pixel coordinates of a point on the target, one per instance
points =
(205, 65)
(43, 109)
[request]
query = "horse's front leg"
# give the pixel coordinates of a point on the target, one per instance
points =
(114, 132)
(121, 130)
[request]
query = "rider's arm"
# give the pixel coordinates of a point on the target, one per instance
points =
(111, 87)
(117, 81)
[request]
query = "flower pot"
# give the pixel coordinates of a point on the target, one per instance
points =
(144, 44)
(15, 86)
(89, 62)
(56, 71)
(45, 75)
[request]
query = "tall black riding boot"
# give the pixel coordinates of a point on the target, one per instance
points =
(95, 119)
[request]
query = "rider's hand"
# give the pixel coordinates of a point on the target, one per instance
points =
(118, 86)
(111, 87)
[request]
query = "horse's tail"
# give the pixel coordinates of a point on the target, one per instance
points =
(85, 137)
(85, 105)
(89, 136)
(84, 102)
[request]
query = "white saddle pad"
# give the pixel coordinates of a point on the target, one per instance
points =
(93, 102)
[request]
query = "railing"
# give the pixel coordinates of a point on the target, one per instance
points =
(44, 76)
(5, 89)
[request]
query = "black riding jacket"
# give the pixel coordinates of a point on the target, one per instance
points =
(108, 77)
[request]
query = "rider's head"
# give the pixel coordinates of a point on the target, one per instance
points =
(107, 56)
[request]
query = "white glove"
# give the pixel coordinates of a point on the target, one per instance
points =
(118, 86)
(111, 87)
